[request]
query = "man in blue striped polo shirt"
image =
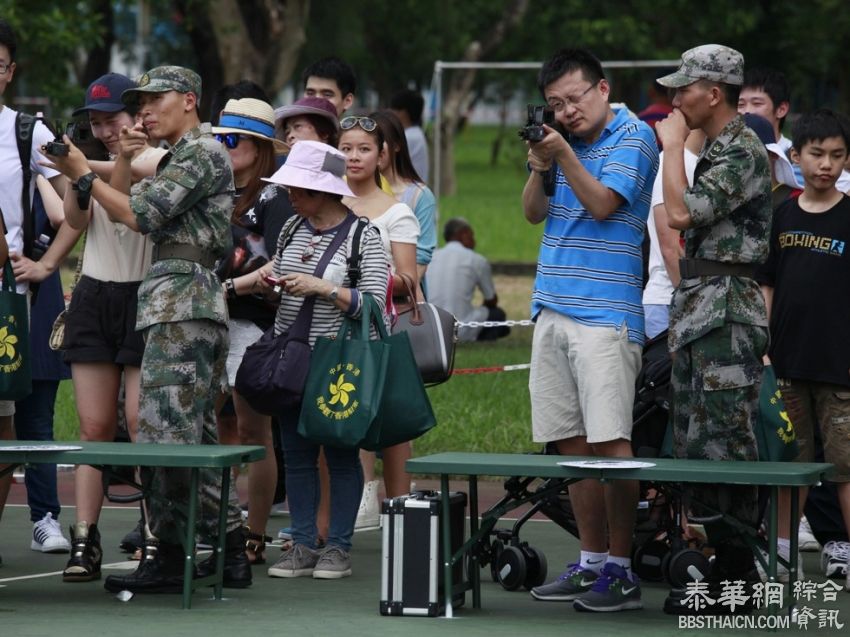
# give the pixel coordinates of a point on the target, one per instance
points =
(586, 302)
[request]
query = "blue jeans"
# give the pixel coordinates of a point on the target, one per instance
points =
(302, 485)
(34, 421)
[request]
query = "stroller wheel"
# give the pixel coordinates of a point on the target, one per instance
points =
(648, 560)
(511, 568)
(679, 571)
(496, 549)
(536, 567)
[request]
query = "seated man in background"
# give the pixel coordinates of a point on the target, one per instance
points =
(455, 271)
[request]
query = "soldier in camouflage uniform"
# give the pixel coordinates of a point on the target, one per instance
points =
(718, 320)
(186, 208)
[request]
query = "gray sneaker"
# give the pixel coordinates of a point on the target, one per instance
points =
(333, 563)
(299, 561)
(569, 585)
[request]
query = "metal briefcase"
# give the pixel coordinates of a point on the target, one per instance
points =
(411, 569)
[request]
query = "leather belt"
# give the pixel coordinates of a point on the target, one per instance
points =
(690, 268)
(185, 252)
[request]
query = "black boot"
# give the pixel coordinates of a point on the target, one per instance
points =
(237, 568)
(160, 571)
(86, 554)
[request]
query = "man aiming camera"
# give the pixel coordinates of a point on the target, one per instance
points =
(586, 302)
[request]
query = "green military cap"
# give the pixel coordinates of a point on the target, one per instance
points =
(162, 79)
(713, 62)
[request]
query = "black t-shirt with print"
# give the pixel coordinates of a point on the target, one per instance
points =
(254, 242)
(809, 270)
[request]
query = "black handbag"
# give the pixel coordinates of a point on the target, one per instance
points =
(273, 371)
(433, 335)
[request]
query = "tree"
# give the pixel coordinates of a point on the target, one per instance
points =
(257, 40)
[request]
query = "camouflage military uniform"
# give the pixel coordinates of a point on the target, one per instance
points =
(718, 324)
(184, 316)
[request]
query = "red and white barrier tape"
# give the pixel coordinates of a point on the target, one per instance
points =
(490, 370)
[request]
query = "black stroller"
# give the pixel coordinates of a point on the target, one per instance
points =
(660, 549)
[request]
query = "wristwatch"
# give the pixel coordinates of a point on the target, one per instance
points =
(334, 293)
(83, 188)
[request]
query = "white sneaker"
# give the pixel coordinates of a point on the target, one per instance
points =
(806, 539)
(834, 559)
(369, 513)
(782, 572)
(47, 536)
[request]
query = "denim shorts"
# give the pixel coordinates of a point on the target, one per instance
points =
(101, 324)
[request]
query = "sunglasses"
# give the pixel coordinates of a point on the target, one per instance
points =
(366, 123)
(310, 249)
(230, 140)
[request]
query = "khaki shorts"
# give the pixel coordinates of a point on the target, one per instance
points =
(811, 404)
(7, 408)
(582, 380)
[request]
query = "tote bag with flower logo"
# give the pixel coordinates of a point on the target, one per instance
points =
(15, 364)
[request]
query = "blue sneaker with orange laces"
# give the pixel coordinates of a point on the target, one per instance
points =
(614, 590)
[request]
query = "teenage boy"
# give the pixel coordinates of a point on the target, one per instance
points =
(41, 481)
(806, 284)
(718, 320)
(586, 302)
(186, 209)
(332, 79)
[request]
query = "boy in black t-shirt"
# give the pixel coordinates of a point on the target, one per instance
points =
(806, 283)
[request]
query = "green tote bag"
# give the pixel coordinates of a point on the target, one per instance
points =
(346, 382)
(405, 411)
(775, 434)
(15, 364)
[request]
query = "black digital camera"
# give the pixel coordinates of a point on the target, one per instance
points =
(537, 116)
(80, 133)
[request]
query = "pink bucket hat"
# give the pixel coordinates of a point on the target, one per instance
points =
(313, 166)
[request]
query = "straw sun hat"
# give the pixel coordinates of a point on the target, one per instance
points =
(252, 117)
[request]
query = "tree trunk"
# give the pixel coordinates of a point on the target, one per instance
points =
(257, 40)
(99, 56)
(460, 88)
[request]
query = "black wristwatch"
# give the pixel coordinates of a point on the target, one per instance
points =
(83, 188)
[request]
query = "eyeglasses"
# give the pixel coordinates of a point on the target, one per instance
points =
(366, 123)
(230, 140)
(559, 105)
(310, 248)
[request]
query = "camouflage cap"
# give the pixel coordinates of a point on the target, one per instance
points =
(162, 79)
(713, 62)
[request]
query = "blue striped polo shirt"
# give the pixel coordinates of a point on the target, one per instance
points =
(592, 271)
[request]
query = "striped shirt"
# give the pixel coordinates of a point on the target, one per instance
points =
(589, 270)
(327, 318)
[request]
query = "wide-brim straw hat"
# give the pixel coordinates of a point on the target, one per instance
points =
(313, 166)
(250, 116)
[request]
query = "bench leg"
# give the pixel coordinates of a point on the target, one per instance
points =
(189, 545)
(222, 531)
(447, 544)
(474, 568)
(792, 561)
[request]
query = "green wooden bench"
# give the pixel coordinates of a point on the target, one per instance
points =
(122, 454)
(769, 474)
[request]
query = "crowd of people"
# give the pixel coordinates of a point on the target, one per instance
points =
(201, 237)
(747, 263)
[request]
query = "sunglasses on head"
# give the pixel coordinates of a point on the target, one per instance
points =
(366, 123)
(230, 140)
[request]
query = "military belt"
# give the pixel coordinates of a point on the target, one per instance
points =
(185, 252)
(690, 268)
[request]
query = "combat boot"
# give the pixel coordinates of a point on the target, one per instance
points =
(237, 567)
(160, 571)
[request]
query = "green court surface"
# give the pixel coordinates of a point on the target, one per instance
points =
(35, 602)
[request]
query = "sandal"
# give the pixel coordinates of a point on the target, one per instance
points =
(255, 545)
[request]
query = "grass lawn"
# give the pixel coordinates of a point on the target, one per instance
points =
(482, 412)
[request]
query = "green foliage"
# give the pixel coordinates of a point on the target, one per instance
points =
(52, 36)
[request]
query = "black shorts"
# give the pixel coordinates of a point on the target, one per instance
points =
(101, 324)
